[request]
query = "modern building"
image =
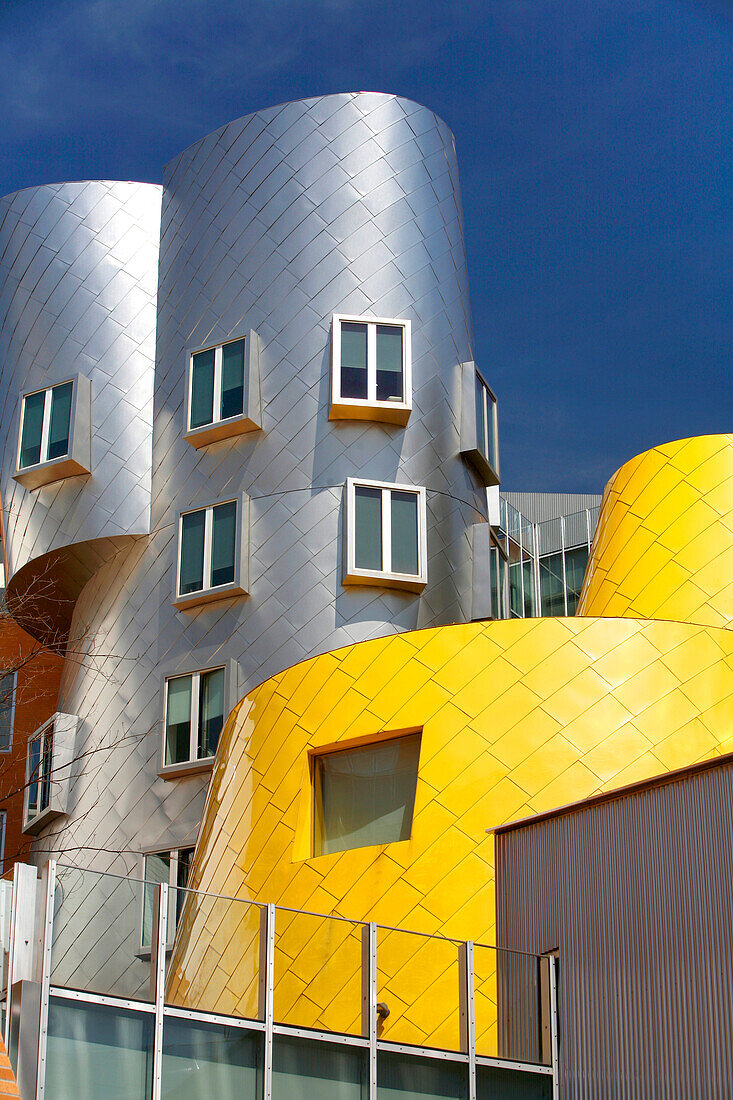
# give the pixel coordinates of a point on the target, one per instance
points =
(313, 657)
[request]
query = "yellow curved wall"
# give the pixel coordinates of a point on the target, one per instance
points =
(663, 546)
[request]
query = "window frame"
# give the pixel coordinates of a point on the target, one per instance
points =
(369, 408)
(13, 700)
(250, 419)
(385, 577)
(472, 448)
(173, 862)
(199, 764)
(63, 727)
(77, 460)
(239, 586)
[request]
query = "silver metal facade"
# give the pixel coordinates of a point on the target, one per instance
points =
(342, 204)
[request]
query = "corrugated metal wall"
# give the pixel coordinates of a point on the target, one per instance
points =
(637, 895)
(537, 507)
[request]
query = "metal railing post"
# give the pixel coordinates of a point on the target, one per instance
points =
(48, 878)
(467, 1002)
(369, 1001)
(553, 1028)
(267, 991)
(157, 979)
(11, 953)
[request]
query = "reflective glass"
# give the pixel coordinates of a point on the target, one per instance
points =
(389, 362)
(515, 580)
(575, 564)
(403, 1077)
(30, 439)
(46, 763)
(156, 869)
(480, 416)
(509, 1084)
(367, 527)
(178, 894)
(232, 379)
(7, 689)
(223, 543)
(96, 1052)
(58, 432)
(491, 429)
(34, 767)
(353, 360)
(202, 388)
(496, 600)
(209, 1061)
(404, 533)
(367, 795)
(192, 552)
(305, 1070)
(552, 589)
(178, 720)
(211, 711)
(528, 587)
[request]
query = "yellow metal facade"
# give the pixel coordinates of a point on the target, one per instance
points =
(517, 717)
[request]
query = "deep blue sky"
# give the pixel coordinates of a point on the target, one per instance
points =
(594, 141)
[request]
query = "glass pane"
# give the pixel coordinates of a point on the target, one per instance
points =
(7, 685)
(480, 417)
(389, 362)
(304, 1070)
(30, 440)
(497, 594)
(156, 870)
(46, 765)
(58, 432)
(96, 1052)
(367, 795)
(232, 379)
(192, 552)
(419, 979)
(516, 604)
(178, 720)
(575, 565)
(209, 1061)
(509, 1084)
(178, 894)
(211, 711)
(491, 429)
(34, 767)
(404, 532)
(223, 543)
(552, 592)
(353, 360)
(367, 527)
(318, 972)
(402, 1077)
(202, 388)
(528, 587)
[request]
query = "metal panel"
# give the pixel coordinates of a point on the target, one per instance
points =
(636, 892)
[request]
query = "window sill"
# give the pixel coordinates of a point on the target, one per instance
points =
(222, 429)
(40, 821)
(43, 473)
(482, 466)
(386, 412)
(209, 595)
(188, 767)
(386, 580)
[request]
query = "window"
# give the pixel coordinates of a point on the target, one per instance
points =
(39, 772)
(194, 716)
(54, 433)
(211, 559)
(223, 391)
(173, 869)
(479, 427)
(498, 573)
(386, 540)
(7, 710)
(372, 369)
(486, 433)
(365, 795)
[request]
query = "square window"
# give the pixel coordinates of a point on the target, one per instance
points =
(55, 433)
(194, 716)
(371, 369)
(171, 868)
(213, 553)
(479, 425)
(365, 795)
(223, 392)
(386, 540)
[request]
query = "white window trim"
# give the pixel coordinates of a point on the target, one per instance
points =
(194, 763)
(385, 577)
(240, 585)
(356, 408)
(13, 698)
(77, 459)
(173, 854)
(250, 419)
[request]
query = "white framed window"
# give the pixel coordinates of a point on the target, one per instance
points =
(222, 392)
(371, 364)
(172, 868)
(195, 709)
(212, 560)
(49, 756)
(55, 435)
(386, 535)
(39, 772)
(8, 684)
(365, 794)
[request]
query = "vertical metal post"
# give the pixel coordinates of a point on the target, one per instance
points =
(369, 1001)
(157, 979)
(467, 1002)
(11, 953)
(536, 570)
(48, 878)
(553, 1028)
(267, 991)
(564, 573)
(587, 527)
